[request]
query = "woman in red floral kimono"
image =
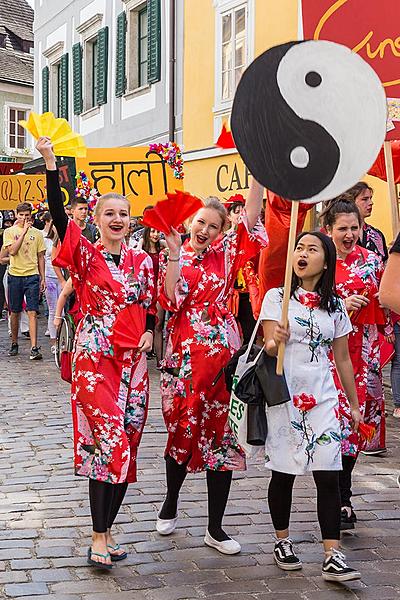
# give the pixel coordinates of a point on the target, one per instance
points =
(195, 283)
(358, 274)
(110, 382)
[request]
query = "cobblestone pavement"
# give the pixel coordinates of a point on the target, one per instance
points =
(45, 522)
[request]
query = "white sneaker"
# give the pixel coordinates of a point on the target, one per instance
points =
(53, 349)
(166, 526)
(47, 333)
(226, 547)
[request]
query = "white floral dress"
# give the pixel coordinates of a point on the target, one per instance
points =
(304, 435)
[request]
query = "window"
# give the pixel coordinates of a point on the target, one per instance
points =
(142, 49)
(16, 134)
(90, 66)
(91, 78)
(233, 51)
(138, 47)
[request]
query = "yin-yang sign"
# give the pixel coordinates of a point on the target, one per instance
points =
(309, 119)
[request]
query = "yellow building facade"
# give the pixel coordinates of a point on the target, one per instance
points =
(221, 38)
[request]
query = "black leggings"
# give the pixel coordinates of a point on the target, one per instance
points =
(348, 464)
(218, 486)
(328, 501)
(245, 316)
(105, 502)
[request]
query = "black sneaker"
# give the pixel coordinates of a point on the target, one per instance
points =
(334, 568)
(25, 334)
(284, 556)
(13, 351)
(35, 353)
(347, 519)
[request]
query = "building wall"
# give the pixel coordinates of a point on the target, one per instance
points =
(15, 96)
(209, 170)
(135, 119)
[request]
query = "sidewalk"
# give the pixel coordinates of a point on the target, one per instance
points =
(45, 518)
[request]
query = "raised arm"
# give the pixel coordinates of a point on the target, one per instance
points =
(54, 194)
(254, 202)
(173, 269)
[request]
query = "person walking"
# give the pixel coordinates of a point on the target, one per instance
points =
(358, 275)
(196, 279)
(304, 434)
(110, 381)
(53, 286)
(26, 275)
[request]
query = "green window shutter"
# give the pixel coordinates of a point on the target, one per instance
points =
(102, 65)
(45, 89)
(154, 40)
(120, 79)
(63, 91)
(77, 77)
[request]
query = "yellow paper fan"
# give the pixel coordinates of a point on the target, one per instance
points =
(65, 141)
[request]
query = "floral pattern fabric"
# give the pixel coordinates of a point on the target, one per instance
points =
(304, 435)
(361, 273)
(202, 336)
(109, 391)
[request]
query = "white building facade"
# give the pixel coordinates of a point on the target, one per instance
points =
(112, 68)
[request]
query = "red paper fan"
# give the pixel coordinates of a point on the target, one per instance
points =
(172, 211)
(225, 139)
(128, 327)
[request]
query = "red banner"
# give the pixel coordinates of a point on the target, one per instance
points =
(368, 27)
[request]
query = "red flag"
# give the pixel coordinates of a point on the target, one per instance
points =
(225, 139)
(272, 264)
(378, 169)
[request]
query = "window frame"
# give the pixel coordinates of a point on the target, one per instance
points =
(88, 32)
(222, 107)
(28, 142)
(53, 56)
(134, 84)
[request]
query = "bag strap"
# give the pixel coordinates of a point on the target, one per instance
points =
(253, 337)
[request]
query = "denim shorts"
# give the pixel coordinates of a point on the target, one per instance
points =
(20, 288)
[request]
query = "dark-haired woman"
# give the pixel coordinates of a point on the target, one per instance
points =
(196, 280)
(304, 434)
(152, 243)
(358, 275)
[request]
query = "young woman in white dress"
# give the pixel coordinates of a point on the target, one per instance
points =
(304, 434)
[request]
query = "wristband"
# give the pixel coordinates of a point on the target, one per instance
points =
(174, 259)
(149, 331)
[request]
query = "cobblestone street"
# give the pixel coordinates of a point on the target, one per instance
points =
(45, 519)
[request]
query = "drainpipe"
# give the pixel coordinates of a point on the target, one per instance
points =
(172, 61)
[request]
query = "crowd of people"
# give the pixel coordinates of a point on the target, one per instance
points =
(192, 297)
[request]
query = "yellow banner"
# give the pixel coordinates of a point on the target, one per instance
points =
(15, 189)
(140, 175)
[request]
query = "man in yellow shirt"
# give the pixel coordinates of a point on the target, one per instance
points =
(26, 275)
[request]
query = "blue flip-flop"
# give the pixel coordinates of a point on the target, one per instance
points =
(95, 563)
(116, 557)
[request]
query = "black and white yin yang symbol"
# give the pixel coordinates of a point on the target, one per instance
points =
(309, 119)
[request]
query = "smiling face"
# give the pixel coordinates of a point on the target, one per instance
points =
(206, 227)
(113, 219)
(154, 235)
(309, 258)
(365, 203)
(345, 233)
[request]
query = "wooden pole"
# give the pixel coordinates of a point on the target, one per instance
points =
(392, 188)
(288, 281)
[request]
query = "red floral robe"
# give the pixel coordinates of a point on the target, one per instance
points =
(202, 336)
(361, 273)
(110, 382)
